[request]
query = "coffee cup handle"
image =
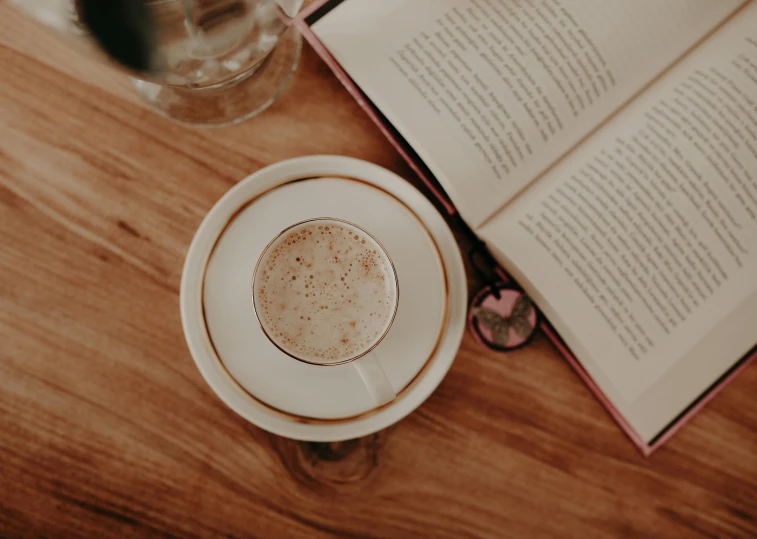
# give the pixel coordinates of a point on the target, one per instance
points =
(375, 380)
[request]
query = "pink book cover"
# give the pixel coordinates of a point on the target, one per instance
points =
(318, 9)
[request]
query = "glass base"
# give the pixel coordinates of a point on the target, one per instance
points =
(233, 102)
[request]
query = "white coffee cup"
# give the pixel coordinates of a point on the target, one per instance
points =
(364, 359)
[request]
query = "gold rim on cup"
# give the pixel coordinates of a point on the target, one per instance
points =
(396, 287)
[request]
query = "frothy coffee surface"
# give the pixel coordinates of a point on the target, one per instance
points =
(325, 292)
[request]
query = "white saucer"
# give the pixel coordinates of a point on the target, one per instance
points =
(277, 392)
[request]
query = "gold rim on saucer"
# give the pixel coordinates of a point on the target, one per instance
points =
(400, 393)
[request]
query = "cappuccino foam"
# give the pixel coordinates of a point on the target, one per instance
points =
(325, 292)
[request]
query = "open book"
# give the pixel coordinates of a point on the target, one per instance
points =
(605, 151)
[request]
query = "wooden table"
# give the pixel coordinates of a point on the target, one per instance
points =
(108, 429)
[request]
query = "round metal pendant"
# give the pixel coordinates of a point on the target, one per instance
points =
(502, 318)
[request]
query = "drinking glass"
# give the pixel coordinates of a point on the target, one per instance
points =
(201, 62)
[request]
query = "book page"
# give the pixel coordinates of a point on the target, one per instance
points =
(490, 93)
(641, 246)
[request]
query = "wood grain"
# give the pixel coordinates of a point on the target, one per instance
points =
(107, 428)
